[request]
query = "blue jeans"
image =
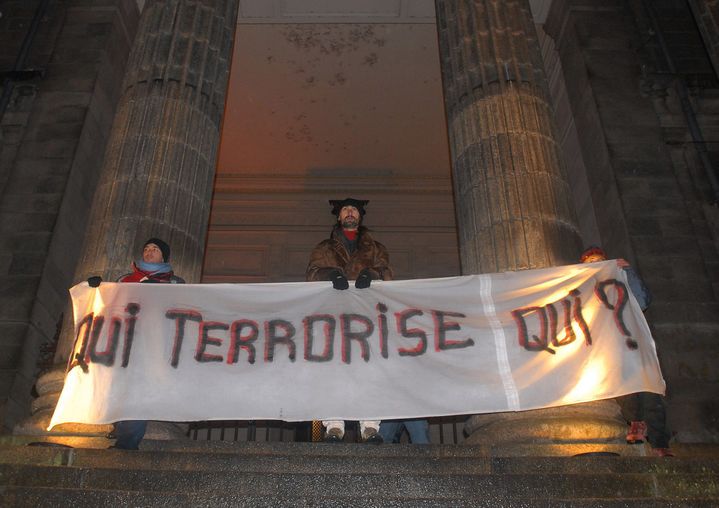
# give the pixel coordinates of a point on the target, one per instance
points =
(129, 433)
(418, 430)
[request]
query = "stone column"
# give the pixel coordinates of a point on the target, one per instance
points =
(159, 167)
(160, 162)
(513, 203)
(514, 207)
(706, 14)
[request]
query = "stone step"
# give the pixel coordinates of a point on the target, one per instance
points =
(245, 462)
(309, 458)
(269, 447)
(184, 473)
(401, 484)
(21, 497)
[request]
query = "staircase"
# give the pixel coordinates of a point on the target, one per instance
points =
(190, 473)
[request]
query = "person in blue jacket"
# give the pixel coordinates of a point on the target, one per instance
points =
(645, 411)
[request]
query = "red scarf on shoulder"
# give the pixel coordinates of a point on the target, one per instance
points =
(141, 276)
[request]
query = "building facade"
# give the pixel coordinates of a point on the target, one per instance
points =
(529, 130)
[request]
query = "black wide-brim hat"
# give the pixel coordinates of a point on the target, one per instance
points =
(338, 204)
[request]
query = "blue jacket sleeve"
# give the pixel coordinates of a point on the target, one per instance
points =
(638, 288)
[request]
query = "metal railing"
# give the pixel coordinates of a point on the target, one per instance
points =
(442, 430)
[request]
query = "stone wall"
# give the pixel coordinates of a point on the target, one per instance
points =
(646, 203)
(53, 138)
(263, 229)
(568, 138)
(688, 328)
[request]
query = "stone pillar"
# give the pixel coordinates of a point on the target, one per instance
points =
(159, 167)
(706, 14)
(160, 162)
(514, 207)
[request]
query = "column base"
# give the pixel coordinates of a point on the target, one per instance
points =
(49, 386)
(592, 427)
(165, 431)
(36, 425)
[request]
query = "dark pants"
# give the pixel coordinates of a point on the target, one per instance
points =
(129, 433)
(648, 407)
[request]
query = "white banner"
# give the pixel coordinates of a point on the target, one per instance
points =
(400, 349)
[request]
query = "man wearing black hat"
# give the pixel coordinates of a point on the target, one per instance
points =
(350, 253)
(152, 267)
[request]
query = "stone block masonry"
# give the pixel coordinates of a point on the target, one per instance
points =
(53, 134)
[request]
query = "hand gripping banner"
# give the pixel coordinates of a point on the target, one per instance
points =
(300, 351)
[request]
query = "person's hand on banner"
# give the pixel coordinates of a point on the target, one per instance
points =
(94, 281)
(364, 279)
(339, 281)
(622, 263)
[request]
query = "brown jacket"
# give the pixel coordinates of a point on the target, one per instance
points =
(331, 254)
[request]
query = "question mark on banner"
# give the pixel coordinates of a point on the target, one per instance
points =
(618, 308)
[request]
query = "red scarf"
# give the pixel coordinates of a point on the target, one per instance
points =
(139, 276)
(350, 234)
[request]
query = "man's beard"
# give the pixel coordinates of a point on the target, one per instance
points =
(350, 223)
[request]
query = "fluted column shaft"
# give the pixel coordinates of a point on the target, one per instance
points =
(514, 208)
(160, 162)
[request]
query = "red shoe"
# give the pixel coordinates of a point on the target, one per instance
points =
(637, 433)
(662, 452)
